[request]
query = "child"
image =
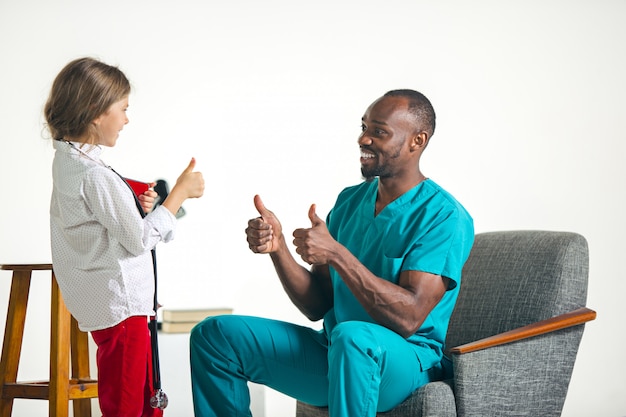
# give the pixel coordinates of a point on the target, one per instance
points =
(101, 243)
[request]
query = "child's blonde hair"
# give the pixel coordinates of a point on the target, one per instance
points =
(84, 89)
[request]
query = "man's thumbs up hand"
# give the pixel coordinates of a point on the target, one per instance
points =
(263, 233)
(314, 245)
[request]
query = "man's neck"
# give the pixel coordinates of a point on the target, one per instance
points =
(389, 189)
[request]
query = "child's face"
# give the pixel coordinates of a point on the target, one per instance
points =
(111, 122)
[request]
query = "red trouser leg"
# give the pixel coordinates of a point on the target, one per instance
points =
(125, 369)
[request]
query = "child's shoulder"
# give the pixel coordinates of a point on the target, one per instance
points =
(100, 176)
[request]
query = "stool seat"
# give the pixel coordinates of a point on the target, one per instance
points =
(66, 342)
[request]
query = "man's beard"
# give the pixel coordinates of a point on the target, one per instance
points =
(368, 175)
(381, 171)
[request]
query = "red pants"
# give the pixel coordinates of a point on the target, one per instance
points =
(124, 360)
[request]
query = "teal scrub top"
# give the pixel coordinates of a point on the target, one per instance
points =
(425, 229)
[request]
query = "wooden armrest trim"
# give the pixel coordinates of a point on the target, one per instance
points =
(573, 318)
(26, 267)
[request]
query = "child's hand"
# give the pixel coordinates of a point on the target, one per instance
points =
(191, 183)
(147, 199)
(188, 185)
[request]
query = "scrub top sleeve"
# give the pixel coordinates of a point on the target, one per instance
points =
(440, 252)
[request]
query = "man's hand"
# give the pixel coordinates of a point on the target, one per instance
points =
(263, 233)
(314, 245)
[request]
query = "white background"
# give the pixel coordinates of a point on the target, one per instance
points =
(268, 97)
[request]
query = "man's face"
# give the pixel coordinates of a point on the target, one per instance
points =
(387, 128)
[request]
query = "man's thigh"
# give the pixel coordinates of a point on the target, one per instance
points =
(373, 349)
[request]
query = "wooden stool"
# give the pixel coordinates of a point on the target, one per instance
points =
(64, 335)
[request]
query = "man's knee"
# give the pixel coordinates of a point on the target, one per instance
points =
(202, 331)
(214, 331)
(354, 335)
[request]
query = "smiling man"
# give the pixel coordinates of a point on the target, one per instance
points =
(385, 274)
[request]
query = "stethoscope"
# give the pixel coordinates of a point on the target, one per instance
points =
(159, 398)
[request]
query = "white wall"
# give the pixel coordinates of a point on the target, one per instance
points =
(268, 97)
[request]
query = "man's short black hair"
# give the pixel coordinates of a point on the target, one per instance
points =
(420, 106)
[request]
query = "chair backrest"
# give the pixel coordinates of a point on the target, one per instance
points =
(515, 278)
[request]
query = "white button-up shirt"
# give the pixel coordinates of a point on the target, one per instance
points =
(100, 243)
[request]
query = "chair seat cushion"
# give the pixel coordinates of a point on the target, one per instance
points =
(433, 399)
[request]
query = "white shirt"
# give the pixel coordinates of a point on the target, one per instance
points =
(100, 243)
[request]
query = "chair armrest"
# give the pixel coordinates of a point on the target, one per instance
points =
(573, 318)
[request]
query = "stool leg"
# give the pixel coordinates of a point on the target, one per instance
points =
(13, 335)
(80, 367)
(59, 355)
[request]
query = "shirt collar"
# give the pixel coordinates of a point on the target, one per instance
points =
(92, 151)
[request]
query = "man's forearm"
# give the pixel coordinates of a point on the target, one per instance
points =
(303, 289)
(391, 305)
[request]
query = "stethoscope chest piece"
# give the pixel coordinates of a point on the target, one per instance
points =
(159, 399)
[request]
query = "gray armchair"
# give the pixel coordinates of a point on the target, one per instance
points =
(514, 333)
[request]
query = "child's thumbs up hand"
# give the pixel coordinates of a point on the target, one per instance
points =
(192, 183)
(189, 184)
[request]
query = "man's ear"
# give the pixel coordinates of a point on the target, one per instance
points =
(419, 141)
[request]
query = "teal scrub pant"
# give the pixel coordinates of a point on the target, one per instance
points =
(361, 368)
